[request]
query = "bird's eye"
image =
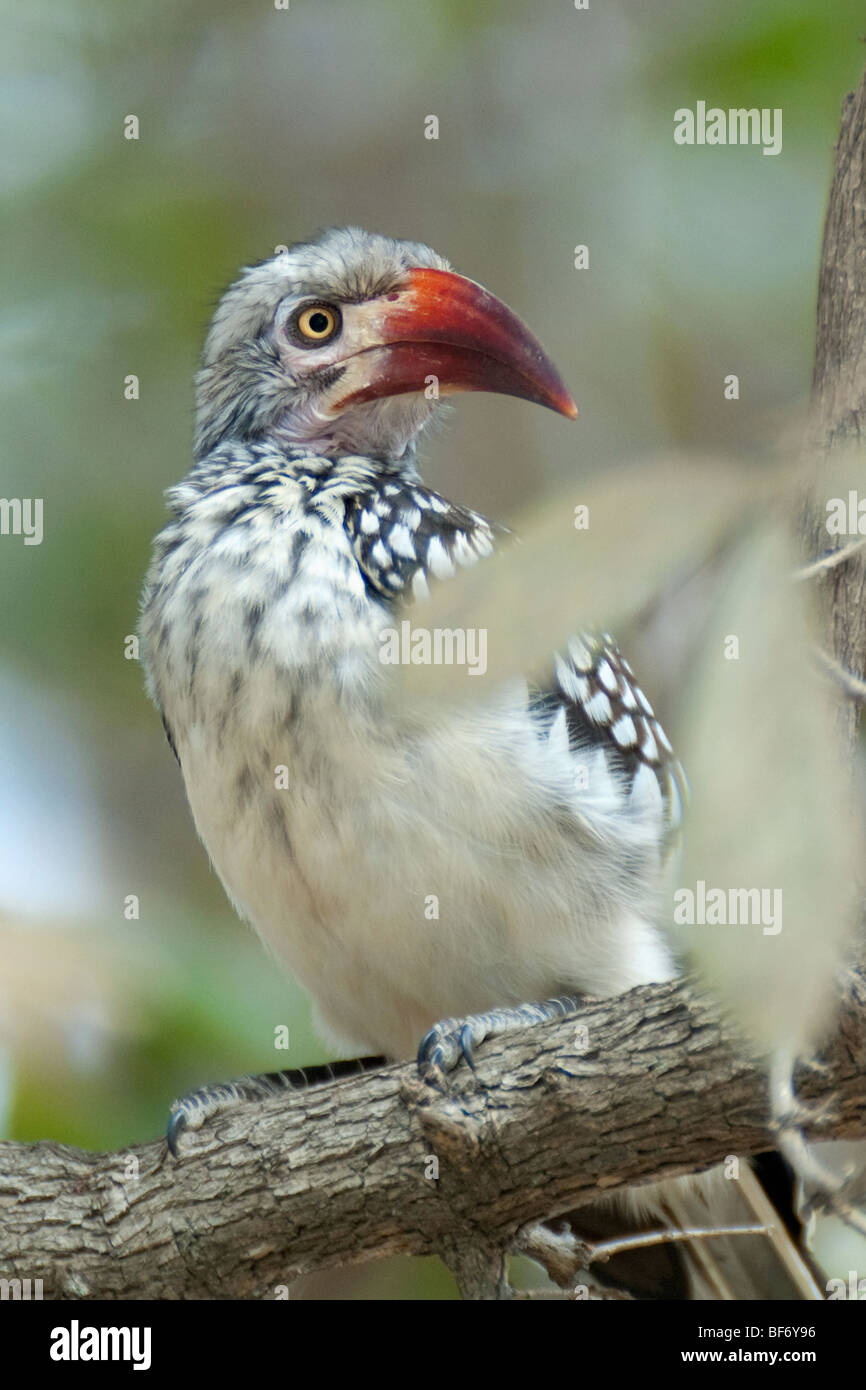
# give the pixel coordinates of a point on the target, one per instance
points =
(317, 323)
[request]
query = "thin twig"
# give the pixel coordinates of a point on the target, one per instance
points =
(565, 1254)
(829, 562)
(829, 1188)
(853, 686)
(604, 1249)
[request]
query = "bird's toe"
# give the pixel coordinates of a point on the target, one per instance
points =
(449, 1042)
(192, 1111)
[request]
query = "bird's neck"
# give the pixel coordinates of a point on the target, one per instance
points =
(385, 429)
(253, 462)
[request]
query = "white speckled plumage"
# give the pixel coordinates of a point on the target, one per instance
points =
(265, 600)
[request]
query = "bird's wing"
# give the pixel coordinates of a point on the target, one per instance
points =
(405, 536)
(593, 693)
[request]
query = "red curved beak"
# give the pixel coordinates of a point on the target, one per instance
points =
(446, 327)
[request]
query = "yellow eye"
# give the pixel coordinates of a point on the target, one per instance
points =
(318, 322)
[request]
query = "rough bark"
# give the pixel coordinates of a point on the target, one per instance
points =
(270, 1191)
(838, 415)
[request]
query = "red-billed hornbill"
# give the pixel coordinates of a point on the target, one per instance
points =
(539, 818)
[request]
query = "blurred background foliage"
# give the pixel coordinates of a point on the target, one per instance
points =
(257, 126)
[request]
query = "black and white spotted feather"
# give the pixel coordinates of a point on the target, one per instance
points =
(593, 691)
(404, 535)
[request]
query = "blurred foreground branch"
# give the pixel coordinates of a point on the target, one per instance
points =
(273, 1190)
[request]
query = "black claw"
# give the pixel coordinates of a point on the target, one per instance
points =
(429, 1051)
(467, 1046)
(175, 1128)
(431, 1058)
(441, 1049)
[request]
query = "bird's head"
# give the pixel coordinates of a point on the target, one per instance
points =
(345, 344)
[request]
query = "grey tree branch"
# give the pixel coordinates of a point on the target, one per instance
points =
(338, 1174)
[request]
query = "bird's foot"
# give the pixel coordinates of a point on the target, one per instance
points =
(192, 1111)
(447, 1042)
(455, 1039)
